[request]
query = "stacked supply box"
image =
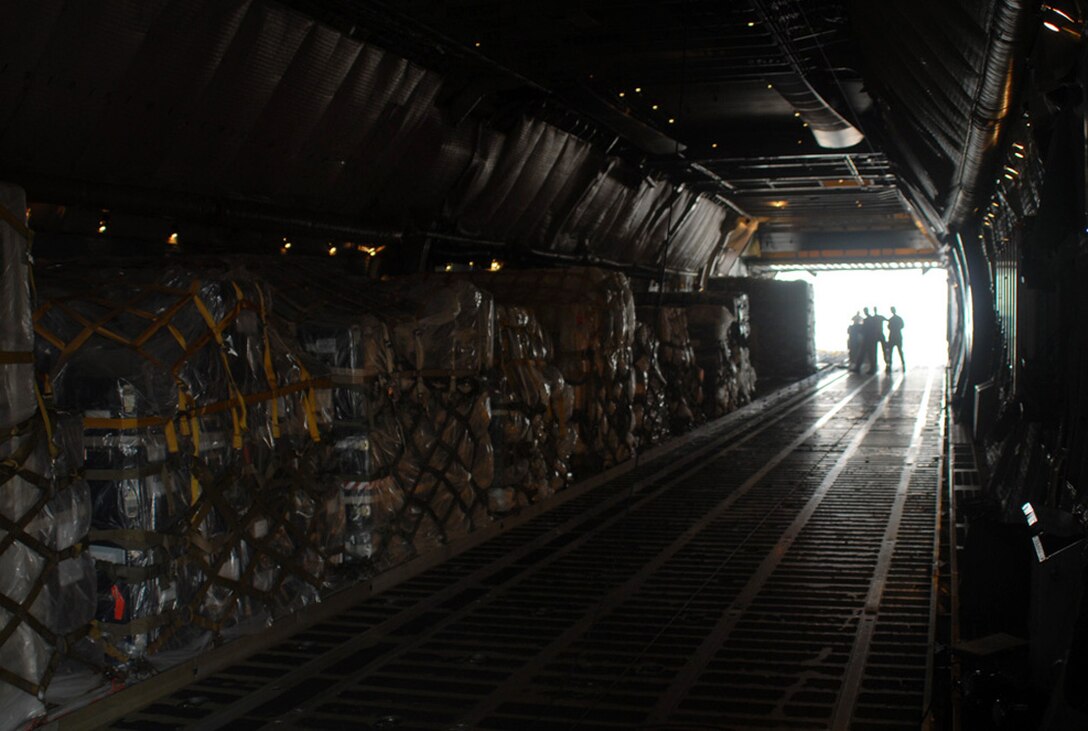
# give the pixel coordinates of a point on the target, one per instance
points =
(729, 377)
(589, 316)
(782, 340)
(200, 424)
(719, 330)
(531, 413)
(676, 359)
(650, 407)
(430, 451)
(264, 528)
(443, 341)
(356, 357)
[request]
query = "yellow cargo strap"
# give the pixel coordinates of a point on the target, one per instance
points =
(16, 357)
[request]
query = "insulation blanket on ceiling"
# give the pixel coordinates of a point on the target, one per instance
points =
(297, 113)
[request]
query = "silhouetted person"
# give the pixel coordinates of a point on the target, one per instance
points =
(878, 332)
(855, 337)
(895, 340)
(868, 343)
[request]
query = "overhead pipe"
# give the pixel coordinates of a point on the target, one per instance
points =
(992, 103)
(830, 129)
(251, 215)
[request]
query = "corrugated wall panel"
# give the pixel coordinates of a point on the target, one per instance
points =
(247, 99)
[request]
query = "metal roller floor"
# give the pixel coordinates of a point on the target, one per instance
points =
(775, 571)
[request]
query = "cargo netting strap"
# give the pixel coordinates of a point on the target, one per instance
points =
(33, 432)
(266, 502)
(449, 412)
(16, 357)
(604, 422)
(651, 425)
(107, 326)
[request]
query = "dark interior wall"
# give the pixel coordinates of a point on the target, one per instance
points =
(783, 337)
(1021, 379)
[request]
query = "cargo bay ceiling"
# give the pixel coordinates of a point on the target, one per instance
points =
(643, 134)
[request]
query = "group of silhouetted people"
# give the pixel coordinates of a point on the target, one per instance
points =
(866, 336)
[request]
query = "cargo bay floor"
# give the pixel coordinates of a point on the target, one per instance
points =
(774, 570)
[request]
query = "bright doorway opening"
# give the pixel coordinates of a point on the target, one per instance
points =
(919, 296)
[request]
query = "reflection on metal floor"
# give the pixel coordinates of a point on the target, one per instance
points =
(776, 571)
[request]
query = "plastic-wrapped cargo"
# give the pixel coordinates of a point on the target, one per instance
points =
(432, 463)
(589, 316)
(354, 353)
(443, 342)
(650, 408)
(530, 416)
(676, 359)
(782, 338)
(718, 326)
(45, 581)
(710, 331)
(138, 491)
(199, 421)
(265, 527)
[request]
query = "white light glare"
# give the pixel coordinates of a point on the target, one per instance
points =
(1029, 513)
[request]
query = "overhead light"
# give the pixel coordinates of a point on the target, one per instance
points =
(770, 86)
(496, 265)
(1014, 171)
(638, 89)
(778, 204)
(286, 244)
(1062, 13)
(477, 44)
(797, 114)
(172, 239)
(751, 24)
(622, 94)
(672, 120)
(102, 226)
(1051, 27)
(713, 145)
(1017, 145)
(654, 107)
(332, 251)
(1018, 155)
